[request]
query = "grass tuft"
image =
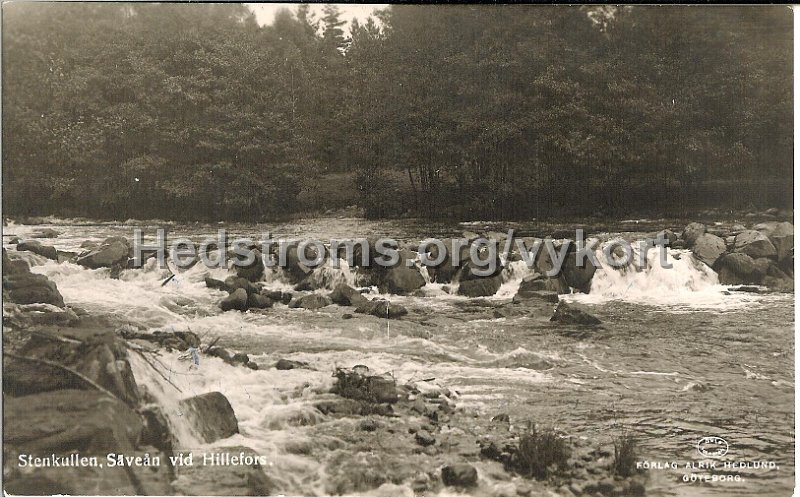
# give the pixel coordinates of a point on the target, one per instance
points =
(626, 450)
(540, 453)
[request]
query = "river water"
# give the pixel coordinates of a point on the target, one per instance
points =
(678, 358)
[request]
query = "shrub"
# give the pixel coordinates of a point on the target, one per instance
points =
(625, 454)
(539, 453)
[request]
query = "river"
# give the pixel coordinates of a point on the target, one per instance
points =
(678, 357)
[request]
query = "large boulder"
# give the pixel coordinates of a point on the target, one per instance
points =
(570, 314)
(29, 288)
(784, 247)
(401, 280)
(345, 295)
(312, 301)
(235, 301)
(15, 266)
(578, 277)
(65, 421)
(736, 269)
(774, 228)
(98, 354)
(294, 268)
(211, 415)
(755, 244)
(113, 251)
(692, 232)
(708, 248)
(480, 287)
(37, 248)
(253, 271)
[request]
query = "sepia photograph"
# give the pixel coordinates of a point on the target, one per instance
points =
(398, 250)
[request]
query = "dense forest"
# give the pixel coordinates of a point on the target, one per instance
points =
(194, 111)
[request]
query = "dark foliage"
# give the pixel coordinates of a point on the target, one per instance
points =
(194, 111)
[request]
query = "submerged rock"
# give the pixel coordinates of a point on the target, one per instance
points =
(459, 475)
(568, 314)
(233, 283)
(258, 301)
(424, 438)
(287, 364)
(212, 416)
(46, 233)
(382, 309)
(312, 302)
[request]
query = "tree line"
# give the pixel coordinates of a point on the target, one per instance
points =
(194, 111)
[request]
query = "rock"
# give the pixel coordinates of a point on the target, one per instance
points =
(16, 266)
(459, 475)
(692, 232)
(755, 244)
(113, 251)
(46, 233)
(98, 354)
(212, 416)
(215, 284)
(424, 438)
(224, 479)
(296, 270)
(233, 283)
(736, 269)
(401, 280)
(258, 301)
(254, 271)
(240, 358)
(312, 302)
(532, 284)
(252, 365)
(346, 295)
(576, 277)
(65, 421)
(368, 424)
(14, 240)
(784, 247)
(779, 284)
(21, 377)
(219, 352)
(773, 228)
(287, 364)
(545, 295)
(29, 288)
(708, 248)
(235, 301)
(37, 248)
(569, 314)
(480, 287)
(382, 309)
(668, 235)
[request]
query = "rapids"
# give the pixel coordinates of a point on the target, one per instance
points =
(677, 359)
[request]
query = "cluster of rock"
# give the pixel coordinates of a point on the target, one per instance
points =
(71, 389)
(763, 255)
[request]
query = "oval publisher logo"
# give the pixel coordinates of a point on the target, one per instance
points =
(714, 447)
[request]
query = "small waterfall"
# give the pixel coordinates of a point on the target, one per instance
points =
(167, 397)
(687, 275)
